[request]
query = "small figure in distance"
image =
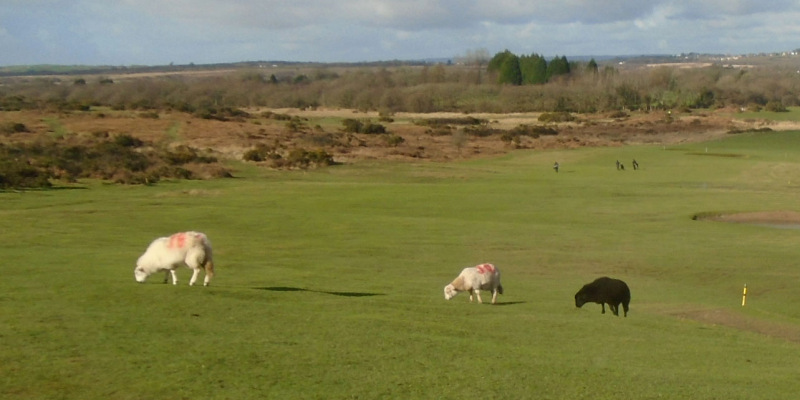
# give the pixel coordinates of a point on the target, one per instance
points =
(555, 166)
(635, 165)
(618, 164)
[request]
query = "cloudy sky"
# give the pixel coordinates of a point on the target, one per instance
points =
(156, 32)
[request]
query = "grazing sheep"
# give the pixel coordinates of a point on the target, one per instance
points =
(605, 291)
(191, 249)
(473, 280)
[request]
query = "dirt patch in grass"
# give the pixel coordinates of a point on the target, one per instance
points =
(772, 218)
(742, 322)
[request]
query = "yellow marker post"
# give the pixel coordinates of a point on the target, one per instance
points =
(744, 295)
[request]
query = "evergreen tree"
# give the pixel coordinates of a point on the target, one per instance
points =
(534, 69)
(510, 71)
(497, 61)
(591, 67)
(558, 66)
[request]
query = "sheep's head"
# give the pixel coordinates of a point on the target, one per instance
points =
(580, 299)
(450, 292)
(140, 274)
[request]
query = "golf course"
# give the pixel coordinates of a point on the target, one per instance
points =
(329, 281)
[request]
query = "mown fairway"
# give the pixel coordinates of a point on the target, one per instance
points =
(329, 283)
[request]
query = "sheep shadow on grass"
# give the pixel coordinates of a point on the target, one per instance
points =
(295, 289)
(508, 303)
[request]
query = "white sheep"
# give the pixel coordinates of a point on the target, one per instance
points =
(473, 280)
(191, 249)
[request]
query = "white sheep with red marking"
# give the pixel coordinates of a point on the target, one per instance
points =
(192, 249)
(473, 280)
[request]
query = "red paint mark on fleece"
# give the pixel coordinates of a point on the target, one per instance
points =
(177, 240)
(484, 268)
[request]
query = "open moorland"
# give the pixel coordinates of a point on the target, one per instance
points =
(440, 136)
(335, 230)
(140, 127)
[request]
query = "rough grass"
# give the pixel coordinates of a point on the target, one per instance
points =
(793, 114)
(330, 282)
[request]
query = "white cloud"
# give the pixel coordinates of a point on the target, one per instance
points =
(162, 31)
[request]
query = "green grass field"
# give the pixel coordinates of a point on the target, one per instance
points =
(329, 283)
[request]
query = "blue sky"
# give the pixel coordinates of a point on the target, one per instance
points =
(156, 32)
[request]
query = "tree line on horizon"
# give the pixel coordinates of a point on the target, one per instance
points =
(500, 84)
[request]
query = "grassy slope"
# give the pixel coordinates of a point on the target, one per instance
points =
(330, 283)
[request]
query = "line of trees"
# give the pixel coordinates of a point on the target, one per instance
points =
(531, 69)
(505, 83)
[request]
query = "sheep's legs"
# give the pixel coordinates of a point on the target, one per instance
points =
(614, 309)
(195, 273)
(477, 294)
(209, 272)
(174, 276)
(197, 261)
(494, 296)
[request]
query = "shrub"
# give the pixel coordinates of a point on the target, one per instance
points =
(434, 122)
(394, 140)
(370, 128)
(479, 130)
(619, 115)
(260, 153)
(440, 131)
(184, 155)
(135, 178)
(534, 131)
(15, 103)
(253, 155)
(300, 79)
(122, 140)
(296, 125)
(222, 114)
(149, 114)
(556, 117)
(206, 113)
(775, 106)
(121, 159)
(323, 139)
(181, 155)
(320, 157)
(385, 116)
(352, 125)
(13, 127)
(527, 130)
(302, 158)
(276, 116)
(19, 176)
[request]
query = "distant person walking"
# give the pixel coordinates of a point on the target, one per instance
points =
(555, 166)
(635, 165)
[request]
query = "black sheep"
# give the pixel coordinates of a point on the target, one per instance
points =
(605, 291)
